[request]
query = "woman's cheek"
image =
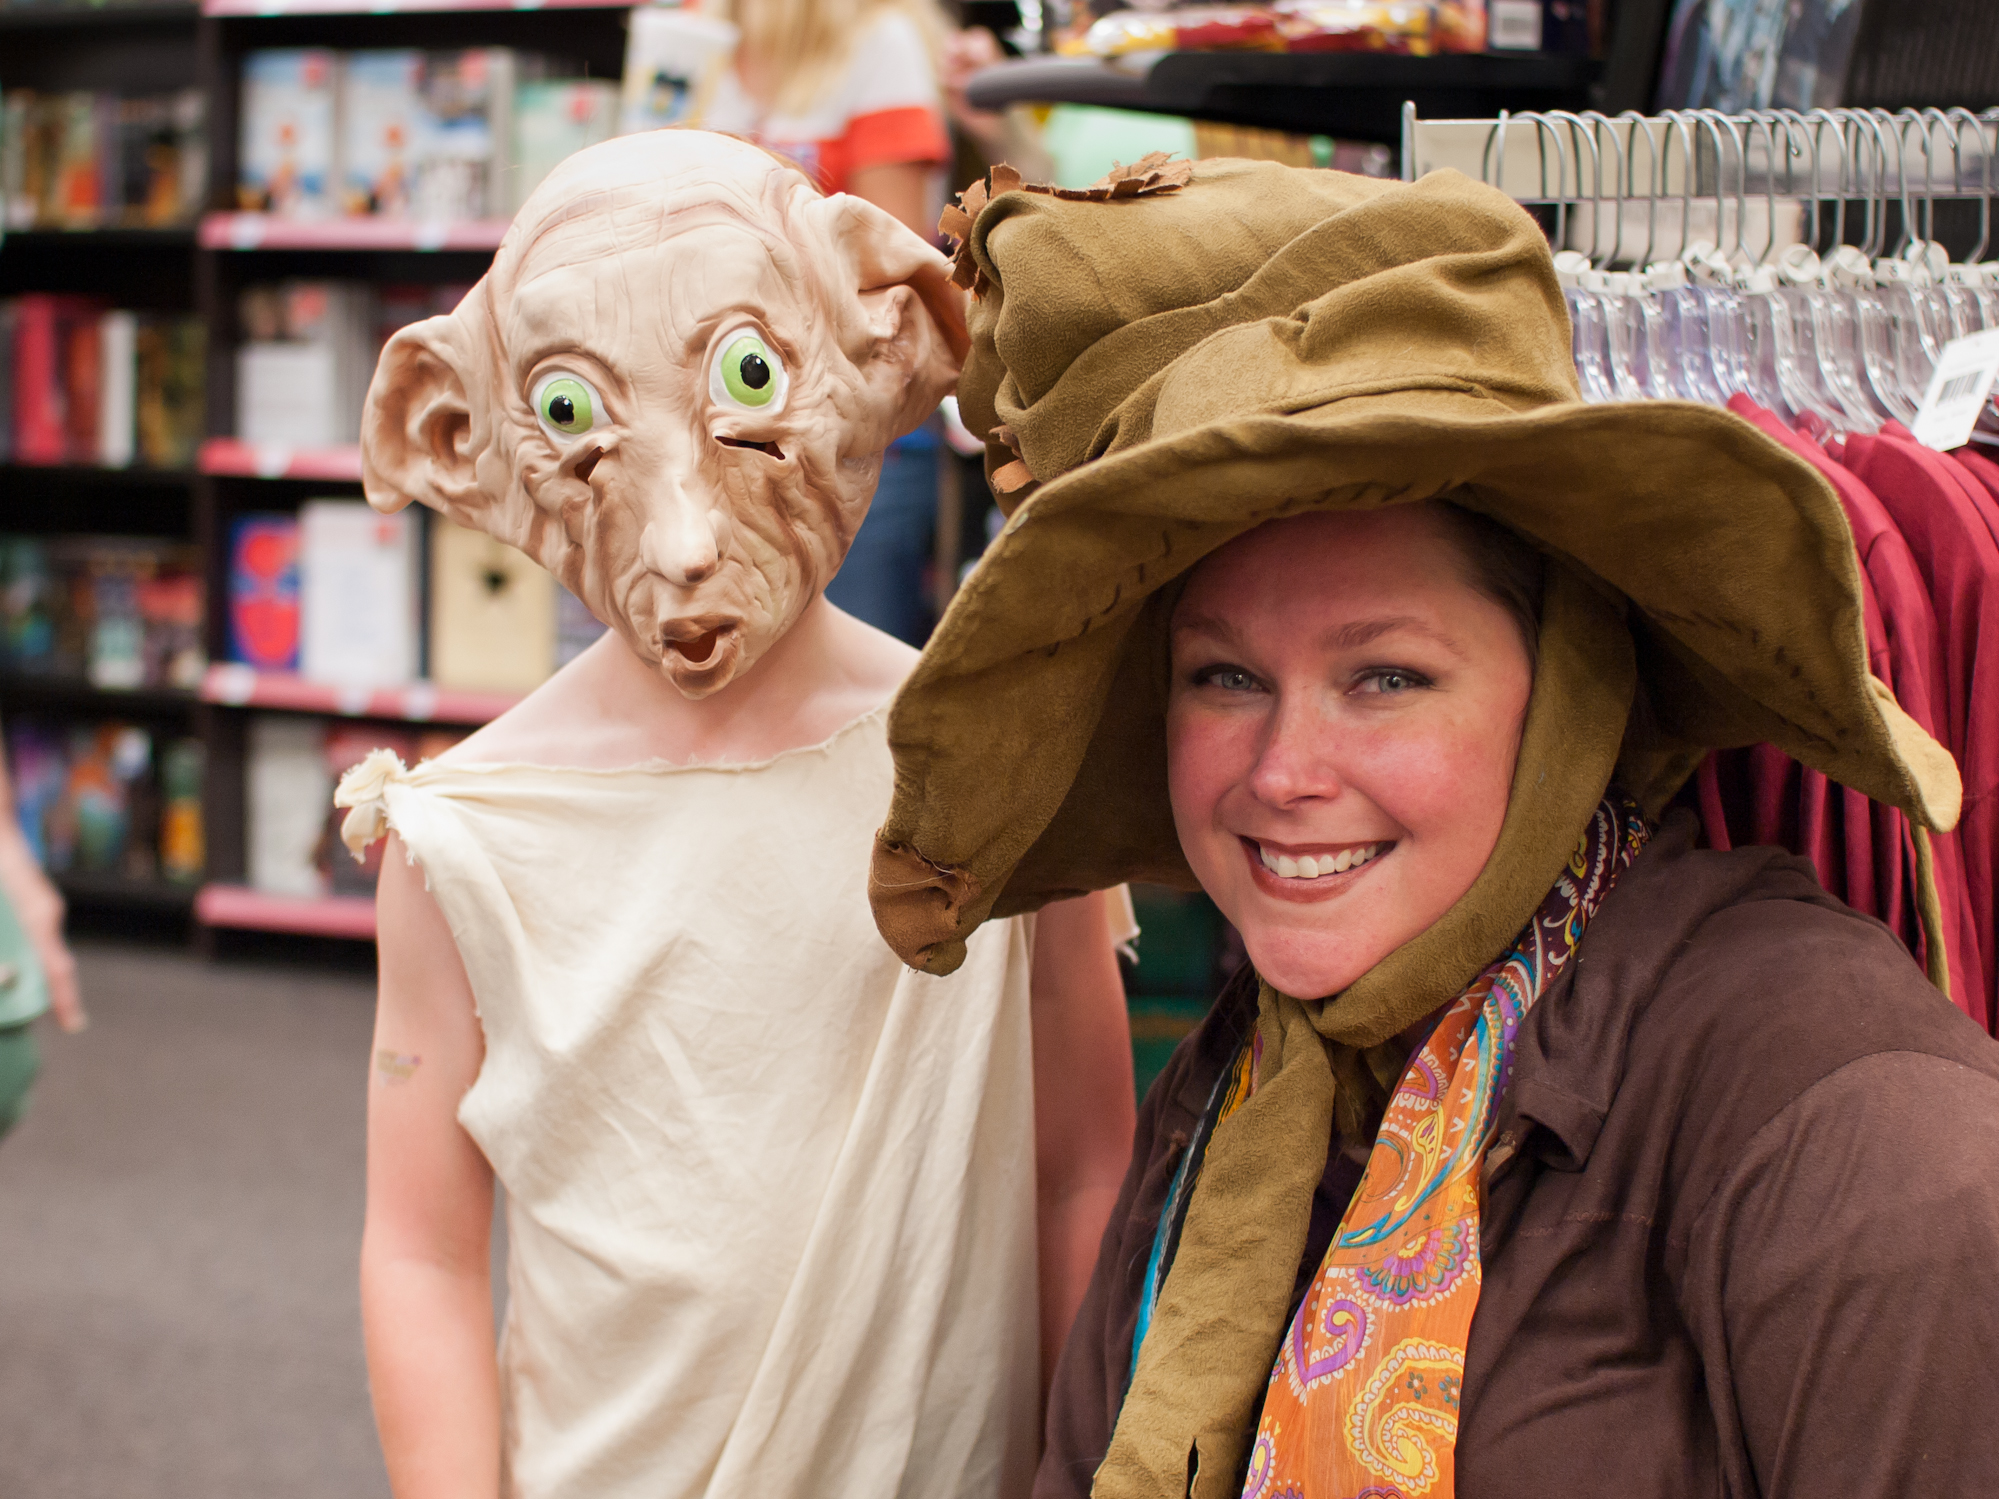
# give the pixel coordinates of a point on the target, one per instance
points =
(1431, 772)
(1206, 754)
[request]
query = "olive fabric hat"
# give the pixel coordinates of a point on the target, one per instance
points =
(1166, 371)
(1173, 359)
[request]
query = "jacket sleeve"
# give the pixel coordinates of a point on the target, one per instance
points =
(1845, 1267)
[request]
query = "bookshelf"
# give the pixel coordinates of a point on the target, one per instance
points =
(198, 268)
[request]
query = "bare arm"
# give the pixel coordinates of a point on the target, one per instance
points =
(426, 1281)
(900, 188)
(1084, 1108)
(38, 906)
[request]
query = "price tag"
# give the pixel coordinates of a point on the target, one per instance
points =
(1959, 388)
(1514, 25)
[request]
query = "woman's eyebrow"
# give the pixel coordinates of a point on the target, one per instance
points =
(1360, 632)
(1214, 626)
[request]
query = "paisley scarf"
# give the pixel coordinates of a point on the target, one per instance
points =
(1365, 1394)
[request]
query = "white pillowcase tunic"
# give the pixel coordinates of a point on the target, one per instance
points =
(770, 1194)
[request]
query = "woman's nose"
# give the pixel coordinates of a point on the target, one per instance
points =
(683, 540)
(1294, 758)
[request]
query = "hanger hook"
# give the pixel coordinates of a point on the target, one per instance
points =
(1599, 124)
(1960, 117)
(1654, 186)
(1676, 120)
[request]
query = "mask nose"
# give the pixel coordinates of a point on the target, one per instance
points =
(683, 540)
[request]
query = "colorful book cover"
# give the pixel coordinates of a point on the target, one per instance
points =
(286, 794)
(82, 371)
(288, 139)
(40, 426)
(37, 756)
(170, 395)
(358, 586)
(468, 118)
(381, 130)
(117, 389)
(79, 177)
(183, 840)
(263, 592)
(554, 119)
(492, 614)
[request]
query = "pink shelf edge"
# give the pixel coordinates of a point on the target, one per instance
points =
(231, 457)
(262, 231)
(242, 908)
(238, 686)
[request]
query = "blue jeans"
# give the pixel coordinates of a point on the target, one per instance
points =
(882, 579)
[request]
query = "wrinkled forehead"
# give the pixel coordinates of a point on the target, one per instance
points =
(625, 272)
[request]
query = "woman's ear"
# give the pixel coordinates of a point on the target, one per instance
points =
(427, 406)
(915, 317)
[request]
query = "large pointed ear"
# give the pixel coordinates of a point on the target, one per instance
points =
(915, 317)
(428, 415)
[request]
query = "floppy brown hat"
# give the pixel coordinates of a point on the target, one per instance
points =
(1168, 370)
(1167, 363)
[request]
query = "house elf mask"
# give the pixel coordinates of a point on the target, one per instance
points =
(673, 389)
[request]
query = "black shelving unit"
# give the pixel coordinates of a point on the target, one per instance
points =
(148, 48)
(1352, 95)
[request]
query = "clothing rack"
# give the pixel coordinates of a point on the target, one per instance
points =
(1628, 189)
(1758, 262)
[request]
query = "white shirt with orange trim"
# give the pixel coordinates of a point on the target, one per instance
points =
(886, 110)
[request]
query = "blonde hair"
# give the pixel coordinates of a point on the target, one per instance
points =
(804, 45)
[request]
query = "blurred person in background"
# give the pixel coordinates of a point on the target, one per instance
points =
(37, 973)
(849, 90)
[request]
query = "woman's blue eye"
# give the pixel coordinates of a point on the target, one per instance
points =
(1228, 678)
(1392, 681)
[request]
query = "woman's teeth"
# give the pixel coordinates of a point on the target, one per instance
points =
(1308, 868)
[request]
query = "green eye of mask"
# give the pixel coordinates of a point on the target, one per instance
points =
(749, 371)
(565, 406)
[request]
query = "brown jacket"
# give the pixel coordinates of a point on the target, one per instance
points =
(1741, 1232)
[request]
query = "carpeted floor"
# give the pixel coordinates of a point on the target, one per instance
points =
(179, 1220)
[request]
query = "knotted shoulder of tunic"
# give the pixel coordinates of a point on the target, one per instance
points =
(364, 790)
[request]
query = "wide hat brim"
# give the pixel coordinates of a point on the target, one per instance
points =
(1029, 748)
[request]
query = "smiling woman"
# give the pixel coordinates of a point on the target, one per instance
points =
(1534, 1150)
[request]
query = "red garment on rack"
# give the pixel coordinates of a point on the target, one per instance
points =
(1981, 468)
(1953, 543)
(1862, 849)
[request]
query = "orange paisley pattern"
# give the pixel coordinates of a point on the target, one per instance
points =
(1363, 1401)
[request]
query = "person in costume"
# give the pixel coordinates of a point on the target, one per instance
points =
(1536, 1151)
(783, 1217)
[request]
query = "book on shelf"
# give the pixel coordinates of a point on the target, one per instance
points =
(292, 827)
(108, 797)
(433, 136)
(492, 613)
(310, 349)
(287, 792)
(425, 134)
(287, 150)
(91, 160)
(358, 593)
(263, 591)
(553, 119)
(91, 384)
(120, 613)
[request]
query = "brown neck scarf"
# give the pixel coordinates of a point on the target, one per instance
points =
(1189, 1416)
